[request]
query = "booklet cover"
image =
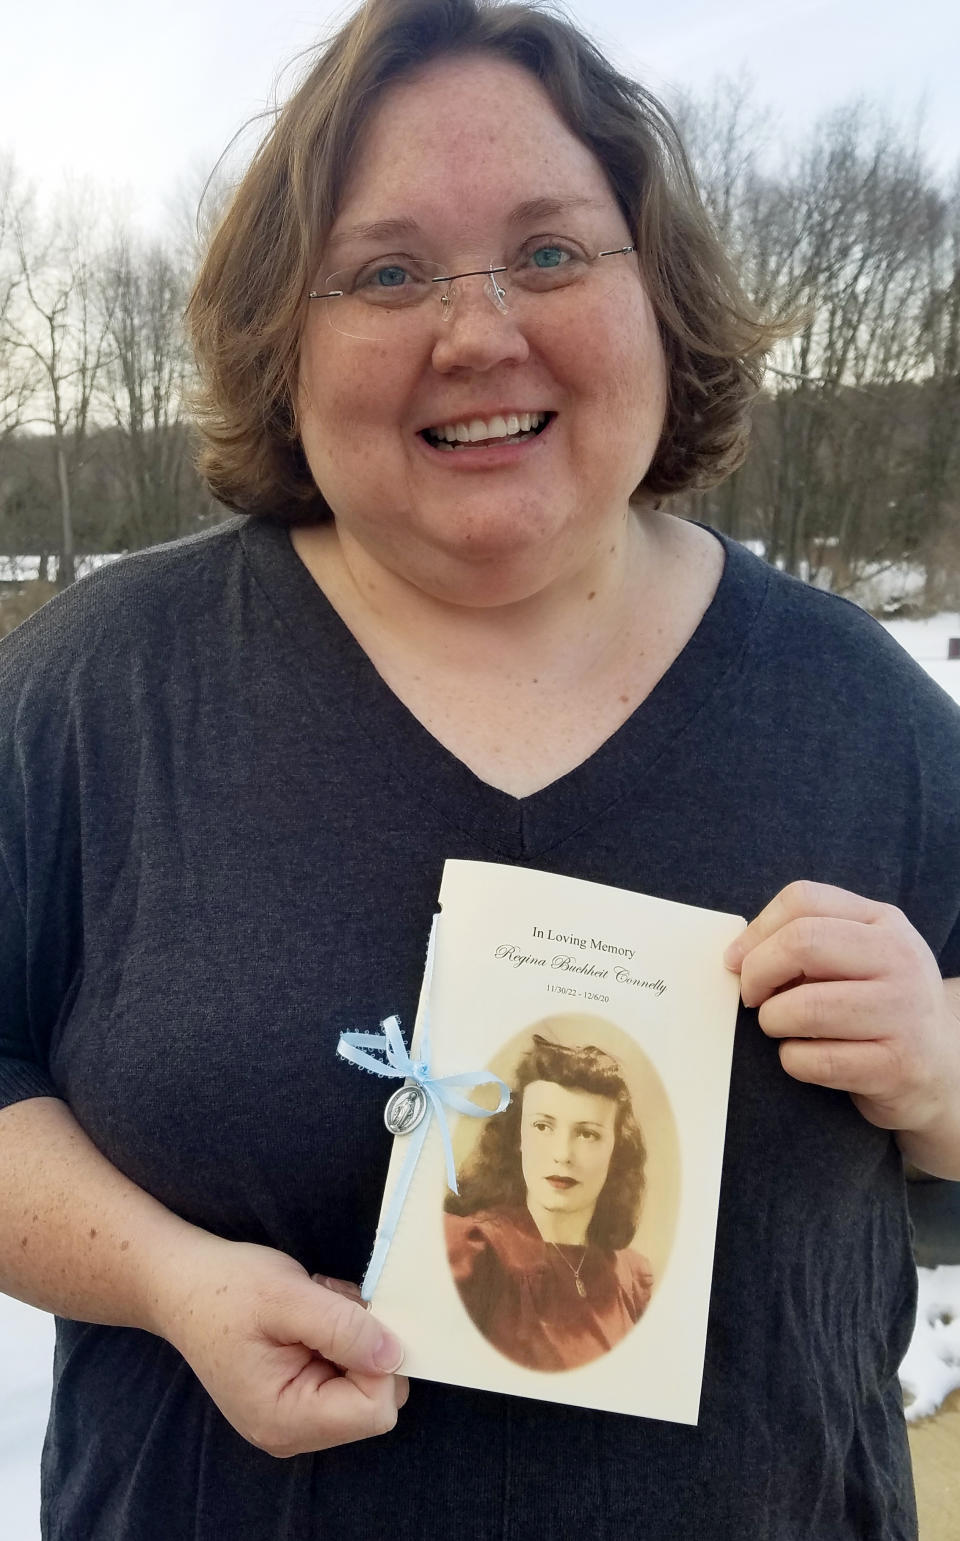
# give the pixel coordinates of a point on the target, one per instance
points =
(574, 1263)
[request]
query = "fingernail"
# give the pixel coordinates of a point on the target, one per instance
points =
(341, 1287)
(732, 958)
(389, 1355)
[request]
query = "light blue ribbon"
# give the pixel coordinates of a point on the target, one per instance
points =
(440, 1092)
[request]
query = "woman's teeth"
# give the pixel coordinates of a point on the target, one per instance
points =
(512, 429)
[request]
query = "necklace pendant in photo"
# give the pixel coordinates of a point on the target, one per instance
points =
(581, 1288)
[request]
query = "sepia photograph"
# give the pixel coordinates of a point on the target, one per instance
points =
(541, 1237)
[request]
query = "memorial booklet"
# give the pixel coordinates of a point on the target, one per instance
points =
(574, 1262)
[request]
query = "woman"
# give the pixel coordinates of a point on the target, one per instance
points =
(539, 1238)
(237, 765)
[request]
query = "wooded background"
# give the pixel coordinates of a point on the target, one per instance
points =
(856, 450)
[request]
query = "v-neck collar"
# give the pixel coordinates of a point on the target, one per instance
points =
(511, 828)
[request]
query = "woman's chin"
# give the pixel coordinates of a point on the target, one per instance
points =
(490, 563)
(565, 1201)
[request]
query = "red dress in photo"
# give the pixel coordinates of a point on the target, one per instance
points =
(521, 1292)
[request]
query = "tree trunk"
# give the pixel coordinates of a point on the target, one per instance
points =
(66, 571)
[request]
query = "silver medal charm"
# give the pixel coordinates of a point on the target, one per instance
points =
(405, 1109)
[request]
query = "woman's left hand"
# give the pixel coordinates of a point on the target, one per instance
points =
(855, 996)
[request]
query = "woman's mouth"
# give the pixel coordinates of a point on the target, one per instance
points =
(562, 1183)
(477, 432)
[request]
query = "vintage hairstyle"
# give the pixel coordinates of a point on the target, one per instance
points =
(493, 1178)
(249, 304)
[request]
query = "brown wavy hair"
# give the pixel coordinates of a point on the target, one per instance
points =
(248, 307)
(493, 1178)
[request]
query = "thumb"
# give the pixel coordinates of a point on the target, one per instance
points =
(341, 1287)
(334, 1326)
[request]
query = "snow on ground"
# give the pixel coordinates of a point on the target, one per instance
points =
(880, 586)
(26, 1349)
(928, 642)
(930, 1370)
(18, 569)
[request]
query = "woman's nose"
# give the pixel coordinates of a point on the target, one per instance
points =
(477, 330)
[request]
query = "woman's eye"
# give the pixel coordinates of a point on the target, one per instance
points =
(548, 262)
(549, 257)
(589, 1134)
(390, 277)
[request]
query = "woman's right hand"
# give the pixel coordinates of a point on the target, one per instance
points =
(293, 1365)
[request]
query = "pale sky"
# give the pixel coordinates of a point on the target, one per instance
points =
(142, 97)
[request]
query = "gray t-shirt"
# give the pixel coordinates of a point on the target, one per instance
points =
(221, 840)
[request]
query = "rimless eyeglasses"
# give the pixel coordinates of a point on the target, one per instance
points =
(372, 299)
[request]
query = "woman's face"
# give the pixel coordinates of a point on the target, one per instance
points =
(460, 165)
(566, 1141)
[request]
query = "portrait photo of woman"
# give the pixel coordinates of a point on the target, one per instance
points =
(539, 1236)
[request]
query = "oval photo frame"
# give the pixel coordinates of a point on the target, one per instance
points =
(513, 1287)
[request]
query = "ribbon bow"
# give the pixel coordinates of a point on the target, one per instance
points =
(440, 1092)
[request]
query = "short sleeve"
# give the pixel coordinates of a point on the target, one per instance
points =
(20, 1075)
(29, 967)
(935, 899)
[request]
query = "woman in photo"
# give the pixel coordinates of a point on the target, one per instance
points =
(539, 1236)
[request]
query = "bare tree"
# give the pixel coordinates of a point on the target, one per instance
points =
(63, 338)
(860, 205)
(195, 209)
(938, 453)
(142, 383)
(726, 136)
(848, 231)
(17, 380)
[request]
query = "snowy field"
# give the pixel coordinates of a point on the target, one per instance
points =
(930, 1371)
(931, 1368)
(26, 1346)
(928, 642)
(21, 569)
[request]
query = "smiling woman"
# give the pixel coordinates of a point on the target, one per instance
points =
(583, 357)
(342, 193)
